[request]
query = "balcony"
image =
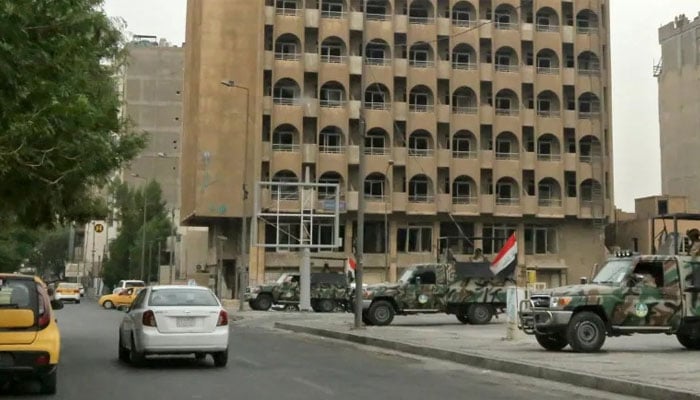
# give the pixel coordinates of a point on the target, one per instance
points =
(420, 108)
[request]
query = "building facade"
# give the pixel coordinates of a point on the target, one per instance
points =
(679, 108)
(478, 118)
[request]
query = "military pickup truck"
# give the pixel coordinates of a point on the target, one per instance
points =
(328, 292)
(468, 290)
(630, 294)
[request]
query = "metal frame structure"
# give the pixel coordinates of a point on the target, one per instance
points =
(675, 217)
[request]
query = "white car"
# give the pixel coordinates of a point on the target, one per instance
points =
(174, 320)
(67, 291)
(128, 284)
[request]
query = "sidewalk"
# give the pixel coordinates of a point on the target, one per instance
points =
(647, 366)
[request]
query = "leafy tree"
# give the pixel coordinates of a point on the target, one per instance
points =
(60, 130)
(17, 245)
(125, 250)
(50, 253)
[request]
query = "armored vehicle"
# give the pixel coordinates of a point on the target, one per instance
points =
(469, 290)
(328, 292)
(630, 294)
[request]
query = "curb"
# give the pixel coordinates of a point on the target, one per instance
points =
(613, 385)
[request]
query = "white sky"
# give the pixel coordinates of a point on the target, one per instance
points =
(634, 50)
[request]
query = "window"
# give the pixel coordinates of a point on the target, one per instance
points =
(544, 62)
(331, 9)
(282, 234)
(504, 190)
(503, 146)
(503, 103)
(284, 192)
(662, 207)
(423, 277)
(323, 234)
(419, 146)
(283, 141)
(461, 17)
(331, 97)
(332, 53)
(419, 58)
(286, 7)
(374, 187)
(495, 236)
(462, 60)
(375, 54)
(462, 192)
(139, 300)
(374, 98)
(461, 147)
(331, 142)
(544, 105)
(284, 94)
(327, 192)
(419, 101)
(182, 297)
(374, 144)
(419, 190)
(414, 239)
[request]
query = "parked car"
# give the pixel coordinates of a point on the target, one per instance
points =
(122, 298)
(68, 291)
(82, 290)
(125, 284)
(30, 341)
(174, 320)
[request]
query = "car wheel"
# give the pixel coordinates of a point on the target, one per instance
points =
(264, 302)
(326, 305)
(77, 302)
(253, 305)
(689, 342)
(366, 319)
(108, 305)
(480, 314)
(553, 341)
(462, 316)
(136, 358)
(123, 351)
(586, 332)
(381, 313)
(49, 382)
(220, 358)
(200, 356)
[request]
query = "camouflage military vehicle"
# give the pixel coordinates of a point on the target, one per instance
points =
(468, 290)
(630, 294)
(328, 291)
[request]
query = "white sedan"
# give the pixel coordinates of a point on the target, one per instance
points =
(174, 320)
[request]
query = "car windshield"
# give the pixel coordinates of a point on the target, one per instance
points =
(182, 297)
(282, 278)
(406, 276)
(614, 271)
(18, 294)
(135, 284)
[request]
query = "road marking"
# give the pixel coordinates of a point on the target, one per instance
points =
(316, 386)
(248, 361)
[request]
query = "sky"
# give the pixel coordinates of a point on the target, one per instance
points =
(634, 51)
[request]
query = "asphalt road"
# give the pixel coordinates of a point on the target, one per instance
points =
(269, 364)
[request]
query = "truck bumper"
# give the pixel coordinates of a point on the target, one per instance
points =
(543, 321)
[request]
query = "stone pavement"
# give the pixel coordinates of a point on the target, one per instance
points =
(649, 366)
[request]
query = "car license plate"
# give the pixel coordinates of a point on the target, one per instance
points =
(6, 360)
(185, 322)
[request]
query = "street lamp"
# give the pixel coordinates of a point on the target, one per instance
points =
(244, 192)
(143, 237)
(390, 163)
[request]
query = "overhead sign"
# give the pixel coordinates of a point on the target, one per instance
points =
(99, 228)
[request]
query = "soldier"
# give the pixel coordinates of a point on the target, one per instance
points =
(326, 269)
(478, 257)
(694, 236)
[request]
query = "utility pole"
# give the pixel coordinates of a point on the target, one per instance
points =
(150, 262)
(158, 264)
(359, 247)
(305, 267)
(143, 236)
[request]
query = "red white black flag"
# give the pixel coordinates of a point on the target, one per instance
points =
(507, 257)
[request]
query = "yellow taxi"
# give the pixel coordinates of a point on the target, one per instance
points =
(30, 341)
(122, 298)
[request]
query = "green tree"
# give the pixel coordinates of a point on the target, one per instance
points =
(61, 134)
(125, 250)
(50, 253)
(17, 246)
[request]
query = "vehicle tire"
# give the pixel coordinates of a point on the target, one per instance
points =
(253, 305)
(49, 382)
(326, 305)
(586, 332)
(136, 358)
(366, 319)
(77, 302)
(220, 358)
(381, 313)
(479, 314)
(200, 356)
(553, 341)
(689, 342)
(462, 316)
(123, 351)
(108, 305)
(264, 302)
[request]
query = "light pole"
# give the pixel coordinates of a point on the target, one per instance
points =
(244, 193)
(143, 236)
(390, 163)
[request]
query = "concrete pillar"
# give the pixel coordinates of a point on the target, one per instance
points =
(392, 252)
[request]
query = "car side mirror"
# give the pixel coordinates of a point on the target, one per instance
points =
(56, 304)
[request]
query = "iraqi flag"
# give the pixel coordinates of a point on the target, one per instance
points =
(507, 257)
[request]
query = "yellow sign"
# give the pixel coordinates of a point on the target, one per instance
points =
(99, 228)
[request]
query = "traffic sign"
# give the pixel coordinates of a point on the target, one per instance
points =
(99, 228)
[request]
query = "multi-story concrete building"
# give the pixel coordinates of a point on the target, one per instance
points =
(679, 108)
(490, 114)
(151, 86)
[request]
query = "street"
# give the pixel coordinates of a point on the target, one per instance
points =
(269, 364)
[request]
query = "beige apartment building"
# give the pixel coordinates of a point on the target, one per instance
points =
(679, 108)
(490, 115)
